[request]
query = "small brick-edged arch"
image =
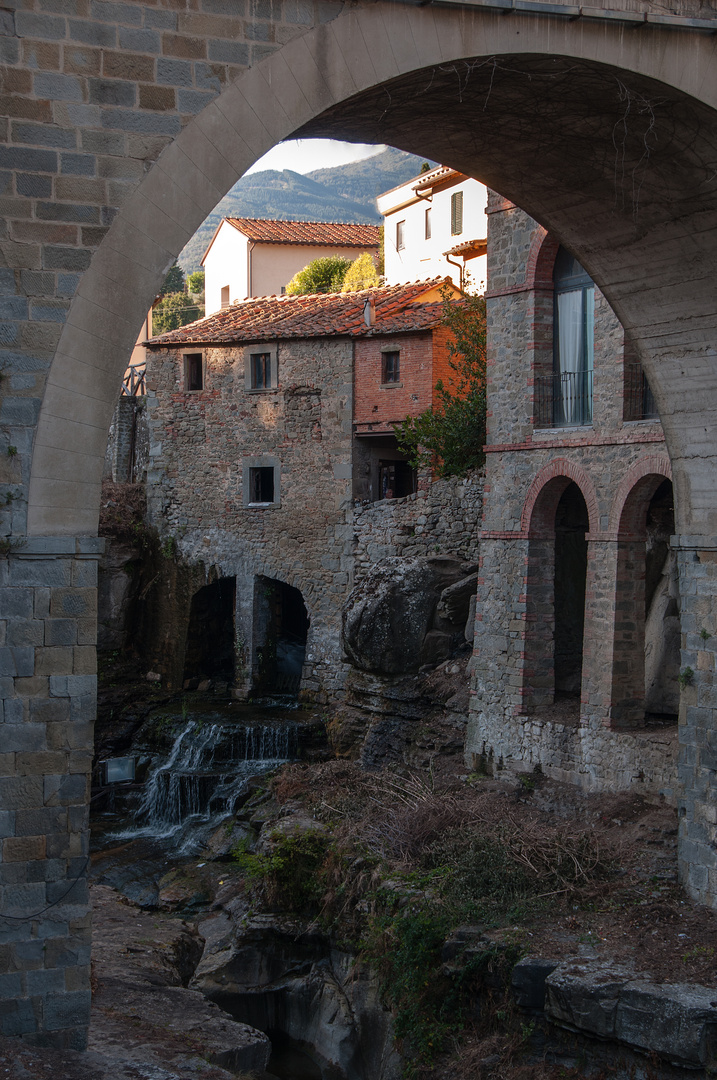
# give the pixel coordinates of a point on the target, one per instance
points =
(541, 260)
(538, 517)
(627, 514)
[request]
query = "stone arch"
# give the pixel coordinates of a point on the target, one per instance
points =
(634, 493)
(316, 84)
(538, 517)
(539, 269)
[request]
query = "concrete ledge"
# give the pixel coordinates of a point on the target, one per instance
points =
(42, 546)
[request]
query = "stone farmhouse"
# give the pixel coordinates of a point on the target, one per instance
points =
(262, 434)
(578, 635)
(434, 224)
(251, 257)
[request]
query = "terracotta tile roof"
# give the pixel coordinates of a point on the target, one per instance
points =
(398, 309)
(307, 232)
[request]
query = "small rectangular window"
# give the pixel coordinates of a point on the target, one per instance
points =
(428, 223)
(260, 370)
(225, 296)
(193, 371)
(400, 235)
(261, 484)
(457, 213)
(390, 367)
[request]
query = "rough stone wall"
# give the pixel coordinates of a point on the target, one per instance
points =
(201, 444)
(513, 718)
(48, 626)
(442, 520)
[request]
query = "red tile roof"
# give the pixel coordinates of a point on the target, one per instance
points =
(398, 309)
(307, 232)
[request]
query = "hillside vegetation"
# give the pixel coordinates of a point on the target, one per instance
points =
(344, 193)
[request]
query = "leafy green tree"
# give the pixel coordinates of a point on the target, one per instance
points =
(319, 276)
(195, 282)
(450, 435)
(174, 281)
(361, 274)
(173, 311)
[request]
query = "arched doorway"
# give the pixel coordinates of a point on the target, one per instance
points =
(281, 626)
(571, 563)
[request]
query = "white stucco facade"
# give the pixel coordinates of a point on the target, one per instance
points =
(422, 222)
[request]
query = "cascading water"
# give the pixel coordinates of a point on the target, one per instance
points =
(199, 784)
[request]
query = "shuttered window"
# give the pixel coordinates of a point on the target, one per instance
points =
(457, 213)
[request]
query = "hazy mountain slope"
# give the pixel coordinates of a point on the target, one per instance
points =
(344, 193)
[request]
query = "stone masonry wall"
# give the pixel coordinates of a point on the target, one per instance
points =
(514, 720)
(444, 519)
(202, 443)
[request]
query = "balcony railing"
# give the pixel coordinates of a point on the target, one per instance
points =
(133, 383)
(639, 402)
(564, 399)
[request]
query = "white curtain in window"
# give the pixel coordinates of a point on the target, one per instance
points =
(570, 339)
(590, 342)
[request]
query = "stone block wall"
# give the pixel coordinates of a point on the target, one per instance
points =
(48, 688)
(515, 718)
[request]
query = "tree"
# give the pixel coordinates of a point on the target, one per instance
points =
(361, 274)
(174, 281)
(195, 282)
(319, 276)
(450, 435)
(173, 311)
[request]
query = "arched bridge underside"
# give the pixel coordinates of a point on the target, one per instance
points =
(126, 124)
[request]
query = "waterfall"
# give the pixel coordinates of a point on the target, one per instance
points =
(199, 783)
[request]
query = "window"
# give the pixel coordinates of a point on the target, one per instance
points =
(400, 235)
(427, 231)
(260, 368)
(390, 367)
(193, 371)
(225, 296)
(457, 213)
(260, 481)
(261, 484)
(573, 336)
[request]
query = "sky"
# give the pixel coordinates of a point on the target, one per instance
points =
(305, 155)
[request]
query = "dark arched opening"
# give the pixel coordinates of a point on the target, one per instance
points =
(571, 560)
(281, 625)
(209, 652)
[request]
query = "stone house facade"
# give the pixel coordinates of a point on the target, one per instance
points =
(252, 257)
(576, 664)
(251, 465)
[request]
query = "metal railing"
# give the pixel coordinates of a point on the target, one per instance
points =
(133, 383)
(639, 402)
(564, 399)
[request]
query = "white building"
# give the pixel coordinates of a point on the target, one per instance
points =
(435, 226)
(252, 257)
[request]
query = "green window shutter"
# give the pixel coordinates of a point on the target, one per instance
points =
(457, 213)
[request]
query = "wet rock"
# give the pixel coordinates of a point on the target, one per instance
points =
(678, 1022)
(279, 975)
(454, 602)
(528, 981)
(387, 616)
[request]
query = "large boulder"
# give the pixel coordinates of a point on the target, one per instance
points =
(390, 622)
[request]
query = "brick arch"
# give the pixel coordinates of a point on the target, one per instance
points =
(541, 503)
(541, 260)
(627, 514)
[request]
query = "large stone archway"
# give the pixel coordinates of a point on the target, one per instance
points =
(125, 128)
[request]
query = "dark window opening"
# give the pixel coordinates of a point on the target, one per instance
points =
(662, 610)
(261, 484)
(457, 213)
(400, 235)
(209, 651)
(281, 630)
(193, 371)
(390, 369)
(395, 479)
(260, 371)
(571, 562)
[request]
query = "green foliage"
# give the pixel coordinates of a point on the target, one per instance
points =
(685, 677)
(173, 311)
(289, 875)
(381, 265)
(195, 282)
(319, 276)
(361, 274)
(169, 547)
(11, 451)
(450, 435)
(174, 281)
